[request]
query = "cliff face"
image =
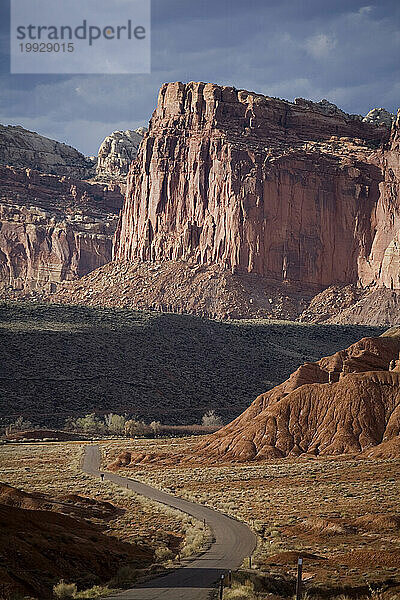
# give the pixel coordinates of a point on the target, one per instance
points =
(288, 191)
(382, 265)
(52, 228)
(27, 149)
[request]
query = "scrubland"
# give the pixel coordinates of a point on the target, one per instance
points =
(58, 362)
(159, 534)
(341, 514)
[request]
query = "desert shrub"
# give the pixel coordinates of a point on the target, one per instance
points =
(135, 428)
(88, 424)
(64, 590)
(94, 592)
(124, 577)
(163, 553)
(19, 425)
(240, 591)
(155, 427)
(210, 419)
(196, 537)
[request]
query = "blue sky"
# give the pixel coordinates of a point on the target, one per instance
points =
(343, 50)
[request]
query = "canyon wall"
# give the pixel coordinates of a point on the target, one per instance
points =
(288, 191)
(52, 228)
(382, 265)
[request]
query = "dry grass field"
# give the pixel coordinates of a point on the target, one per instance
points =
(53, 469)
(342, 515)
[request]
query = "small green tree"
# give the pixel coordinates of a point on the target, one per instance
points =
(90, 424)
(135, 428)
(115, 423)
(19, 425)
(155, 427)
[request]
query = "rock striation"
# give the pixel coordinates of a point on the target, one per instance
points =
(380, 265)
(116, 154)
(297, 202)
(52, 229)
(348, 403)
(294, 192)
(27, 149)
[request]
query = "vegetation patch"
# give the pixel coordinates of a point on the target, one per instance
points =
(59, 362)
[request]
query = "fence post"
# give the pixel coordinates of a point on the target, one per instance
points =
(299, 578)
(229, 582)
(249, 562)
(221, 588)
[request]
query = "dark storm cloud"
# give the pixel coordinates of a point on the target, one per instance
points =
(346, 51)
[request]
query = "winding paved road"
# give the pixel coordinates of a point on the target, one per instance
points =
(232, 542)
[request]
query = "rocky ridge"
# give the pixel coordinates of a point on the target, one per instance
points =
(27, 149)
(344, 404)
(348, 403)
(380, 116)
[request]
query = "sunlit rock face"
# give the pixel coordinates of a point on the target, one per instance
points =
(290, 191)
(348, 403)
(116, 154)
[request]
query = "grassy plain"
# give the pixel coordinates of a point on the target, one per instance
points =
(54, 469)
(342, 513)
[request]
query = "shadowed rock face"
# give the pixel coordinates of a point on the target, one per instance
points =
(54, 537)
(27, 149)
(289, 191)
(345, 403)
(52, 228)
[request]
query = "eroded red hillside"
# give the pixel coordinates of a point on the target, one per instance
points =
(343, 404)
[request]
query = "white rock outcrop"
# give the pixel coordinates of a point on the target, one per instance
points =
(117, 152)
(379, 116)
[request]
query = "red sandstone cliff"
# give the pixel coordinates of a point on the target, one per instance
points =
(52, 228)
(382, 265)
(288, 191)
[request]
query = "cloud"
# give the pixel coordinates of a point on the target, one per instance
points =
(345, 51)
(365, 10)
(320, 45)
